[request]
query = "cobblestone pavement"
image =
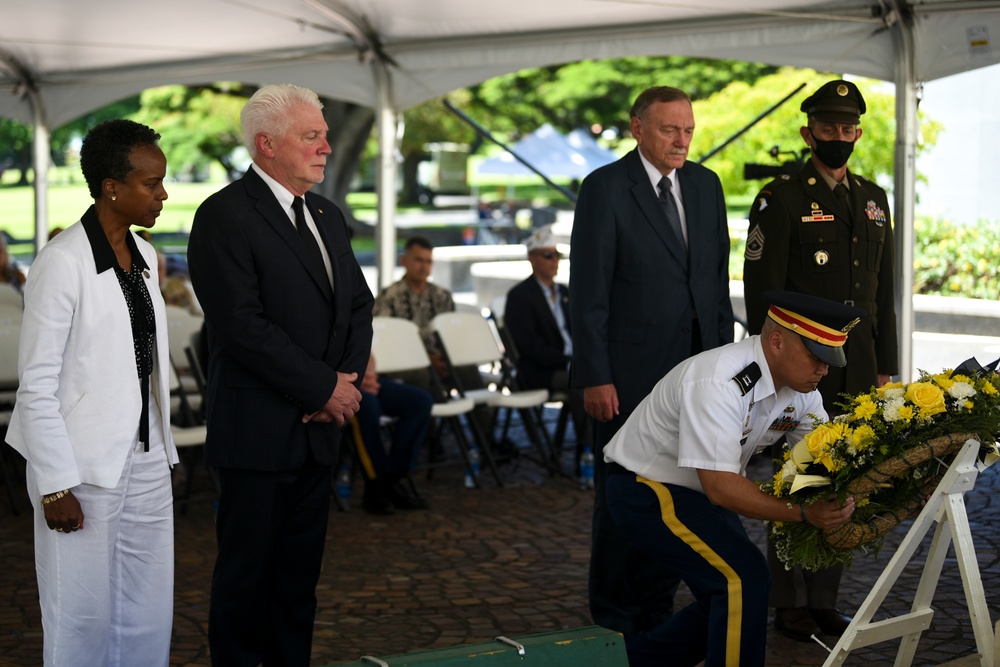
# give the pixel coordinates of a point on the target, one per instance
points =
(510, 560)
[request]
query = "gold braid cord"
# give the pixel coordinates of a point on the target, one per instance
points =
(855, 533)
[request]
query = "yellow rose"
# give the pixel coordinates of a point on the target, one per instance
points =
(926, 396)
(820, 439)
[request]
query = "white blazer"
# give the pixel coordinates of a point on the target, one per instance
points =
(78, 397)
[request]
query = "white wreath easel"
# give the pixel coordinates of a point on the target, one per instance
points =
(946, 507)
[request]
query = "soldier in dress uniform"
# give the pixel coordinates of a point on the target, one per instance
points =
(826, 232)
(676, 476)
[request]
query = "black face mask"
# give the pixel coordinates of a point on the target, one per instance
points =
(833, 154)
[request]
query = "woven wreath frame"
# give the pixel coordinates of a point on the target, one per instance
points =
(855, 533)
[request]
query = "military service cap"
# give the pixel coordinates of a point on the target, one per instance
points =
(836, 102)
(822, 324)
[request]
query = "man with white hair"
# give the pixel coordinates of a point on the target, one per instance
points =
(289, 334)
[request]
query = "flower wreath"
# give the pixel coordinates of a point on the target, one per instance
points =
(888, 450)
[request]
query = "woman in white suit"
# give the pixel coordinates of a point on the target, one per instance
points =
(92, 416)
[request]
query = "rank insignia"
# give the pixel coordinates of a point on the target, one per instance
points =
(755, 244)
(821, 257)
(875, 213)
(783, 424)
(747, 378)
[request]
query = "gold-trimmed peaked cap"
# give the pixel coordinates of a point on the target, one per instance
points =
(822, 324)
(836, 101)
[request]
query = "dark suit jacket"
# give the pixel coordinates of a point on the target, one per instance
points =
(276, 337)
(531, 324)
(635, 292)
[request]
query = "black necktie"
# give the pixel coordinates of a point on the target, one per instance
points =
(312, 248)
(670, 208)
(844, 195)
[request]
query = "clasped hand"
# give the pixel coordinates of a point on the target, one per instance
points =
(342, 404)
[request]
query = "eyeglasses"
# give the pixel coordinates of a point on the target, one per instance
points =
(549, 254)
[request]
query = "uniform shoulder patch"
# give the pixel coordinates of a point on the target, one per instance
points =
(747, 378)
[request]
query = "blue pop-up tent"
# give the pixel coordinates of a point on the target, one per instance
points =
(552, 153)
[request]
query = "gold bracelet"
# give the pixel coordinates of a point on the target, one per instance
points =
(52, 497)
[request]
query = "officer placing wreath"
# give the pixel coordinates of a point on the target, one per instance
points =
(825, 232)
(676, 484)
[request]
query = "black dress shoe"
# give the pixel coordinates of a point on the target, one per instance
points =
(830, 621)
(403, 497)
(376, 498)
(795, 623)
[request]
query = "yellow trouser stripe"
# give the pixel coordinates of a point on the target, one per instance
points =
(735, 586)
(359, 445)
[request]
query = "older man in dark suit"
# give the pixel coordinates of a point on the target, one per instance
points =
(650, 285)
(289, 328)
(537, 316)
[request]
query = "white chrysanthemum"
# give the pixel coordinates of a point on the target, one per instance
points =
(961, 390)
(891, 410)
(840, 419)
(788, 470)
(894, 393)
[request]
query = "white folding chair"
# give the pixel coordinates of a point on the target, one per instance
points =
(398, 347)
(181, 325)
(189, 435)
(467, 340)
(10, 297)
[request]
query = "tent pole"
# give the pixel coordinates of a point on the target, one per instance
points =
(385, 184)
(40, 160)
(905, 190)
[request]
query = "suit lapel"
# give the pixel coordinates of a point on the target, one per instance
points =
(564, 304)
(645, 197)
(693, 198)
(542, 305)
(322, 219)
(280, 221)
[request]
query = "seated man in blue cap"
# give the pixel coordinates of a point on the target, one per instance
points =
(677, 484)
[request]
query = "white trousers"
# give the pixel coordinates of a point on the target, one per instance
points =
(107, 590)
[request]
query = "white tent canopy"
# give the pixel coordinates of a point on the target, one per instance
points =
(61, 59)
(79, 56)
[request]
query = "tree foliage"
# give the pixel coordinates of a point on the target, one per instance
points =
(197, 125)
(596, 92)
(16, 139)
(719, 116)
